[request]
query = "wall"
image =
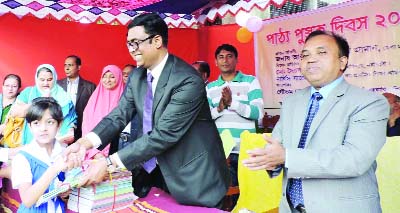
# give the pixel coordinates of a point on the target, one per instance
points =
(28, 42)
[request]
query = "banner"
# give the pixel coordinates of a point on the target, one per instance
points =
(370, 26)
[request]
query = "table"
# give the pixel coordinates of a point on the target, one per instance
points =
(162, 200)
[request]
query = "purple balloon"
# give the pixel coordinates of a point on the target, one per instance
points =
(254, 24)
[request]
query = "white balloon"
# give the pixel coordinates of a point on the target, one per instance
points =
(254, 24)
(241, 18)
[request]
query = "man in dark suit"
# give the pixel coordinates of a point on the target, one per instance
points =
(183, 137)
(77, 88)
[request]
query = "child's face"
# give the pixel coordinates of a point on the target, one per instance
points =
(44, 130)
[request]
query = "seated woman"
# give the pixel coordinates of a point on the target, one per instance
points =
(46, 86)
(102, 101)
(11, 86)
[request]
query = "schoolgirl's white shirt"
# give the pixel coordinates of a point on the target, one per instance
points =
(21, 170)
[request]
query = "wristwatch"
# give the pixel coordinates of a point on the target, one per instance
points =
(109, 162)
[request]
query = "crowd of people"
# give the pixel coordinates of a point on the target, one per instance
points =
(162, 120)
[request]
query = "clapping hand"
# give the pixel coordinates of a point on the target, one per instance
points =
(227, 96)
(267, 158)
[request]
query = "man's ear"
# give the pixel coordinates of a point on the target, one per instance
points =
(158, 41)
(343, 62)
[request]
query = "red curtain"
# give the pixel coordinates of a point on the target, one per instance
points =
(25, 43)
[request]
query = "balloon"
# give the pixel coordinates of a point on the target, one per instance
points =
(254, 24)
(243, 35)
(241, 18)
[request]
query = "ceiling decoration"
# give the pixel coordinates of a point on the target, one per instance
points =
(86, 14)
(244, 5)
(176, 13)
(122, 4)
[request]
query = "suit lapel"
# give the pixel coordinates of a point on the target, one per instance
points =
(300, 108)
(80, 89)
(64, 84)
(162, 82)
(334, 97)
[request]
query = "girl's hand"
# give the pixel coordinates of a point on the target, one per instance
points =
(59, 164)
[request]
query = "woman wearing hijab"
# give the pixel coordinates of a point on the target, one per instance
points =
(46, 86)
(102, 101)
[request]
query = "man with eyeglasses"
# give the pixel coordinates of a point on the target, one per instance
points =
(328, 136)
(182, 150)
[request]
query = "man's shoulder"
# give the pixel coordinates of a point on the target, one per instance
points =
(179, 63)
(362, 94)
(182, 70)
(246, 77)
(214, 83)
(84, 81)
(62, 80)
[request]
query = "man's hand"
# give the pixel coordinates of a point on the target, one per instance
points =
(74, 154)
(221, 105)
(95, 173)
(267, 158)
(227, 96)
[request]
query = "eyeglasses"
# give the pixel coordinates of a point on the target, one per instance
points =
(134, 45)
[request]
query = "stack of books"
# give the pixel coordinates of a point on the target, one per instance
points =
(110, 195)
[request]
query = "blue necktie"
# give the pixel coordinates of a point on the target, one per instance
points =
(295, 187)
(147, 120)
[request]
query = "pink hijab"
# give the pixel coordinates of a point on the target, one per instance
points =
(102, 101)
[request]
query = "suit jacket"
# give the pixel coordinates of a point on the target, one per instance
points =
(184, 137)
(85, 90)
(338, 165)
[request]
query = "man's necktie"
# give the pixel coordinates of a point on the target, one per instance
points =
(147, 120)
(296, 188)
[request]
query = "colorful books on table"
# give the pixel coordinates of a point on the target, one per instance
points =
(110, 195)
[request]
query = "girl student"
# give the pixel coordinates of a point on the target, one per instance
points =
(39, 165)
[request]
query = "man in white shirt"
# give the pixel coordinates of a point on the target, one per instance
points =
(77, 88)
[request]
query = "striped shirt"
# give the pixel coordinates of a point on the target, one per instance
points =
(246, 107)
